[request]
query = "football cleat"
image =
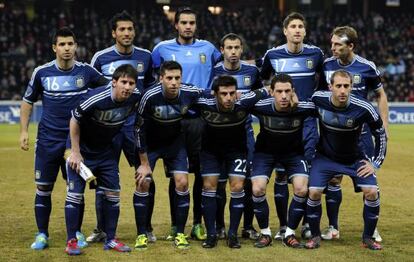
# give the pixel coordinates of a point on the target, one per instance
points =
(221, 233)
(141, 243)
(173, 233)
(180, 241)
(281, 233)
(96, 236)
(330, 233)
(313, 243)
(41, 242)
(291, 241)
(116, 245)
(210, 242)
(250, 234)
(263, 241)
(371, 244)
(377, 236)
(151, 237)
(72, 248)
(81, 240)
(233, 242)
(306, 232)
(197, 232)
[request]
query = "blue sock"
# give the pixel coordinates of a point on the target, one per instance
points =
(313, 213)
(99, 199)
(81, 213)
(182, 204)
(72, 213)
(296, 210)
(43, 207)
(209, 206)
(197, 187)
(111, 215)
(370, 214)
(236, 207)
(140, 201)
(248, 213)
(171, 194)
(151, 203)
(281, 190)
(333, 200)
(221, 199)
(261, 210)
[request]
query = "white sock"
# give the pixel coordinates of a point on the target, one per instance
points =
(266, 231)
(289, 232)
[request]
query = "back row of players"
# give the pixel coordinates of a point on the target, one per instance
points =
(103, 125)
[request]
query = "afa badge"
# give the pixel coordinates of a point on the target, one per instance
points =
(349, 122)
(71, 185)
(140, 67)
(247, 81)
(79, 82)
(37, 174)
(309, 63)
(357, 79)
(203, 58)
(184, 110)
(296, 123)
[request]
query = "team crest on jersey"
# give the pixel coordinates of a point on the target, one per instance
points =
(350, 122)
(140, 67)
(37, 174)
(309, 63)
(184, 110)
(357, 79)
(71, 185)
(79, 82)
(247, 80)
(203, 58)
(296, 123)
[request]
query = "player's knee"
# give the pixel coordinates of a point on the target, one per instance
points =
(258, 189)
(181, 182)
(370, 193)
(144, 187)
(237, 186)
(44, 187)
(109, 193)
(315, 194)
(300, 190)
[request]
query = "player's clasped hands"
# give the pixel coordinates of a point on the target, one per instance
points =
(142, 172)
(74, 160)
(366, 169)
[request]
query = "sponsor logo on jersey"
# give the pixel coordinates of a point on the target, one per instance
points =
(247, 80)
(203, 58)
(309, 63)
(140, 67)
(80, 82)
(357, 79)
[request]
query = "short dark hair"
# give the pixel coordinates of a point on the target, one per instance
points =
(343, 73)
(63, 32)
(125, 70)
(347, 33)
(293, 16)
(170, 65)
(123, 16)
(223, 80)
(184, 10)
(230, 36)
(281, 78)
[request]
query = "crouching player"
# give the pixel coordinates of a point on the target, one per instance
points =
(280, 142)
(94, 124)
(341, 118)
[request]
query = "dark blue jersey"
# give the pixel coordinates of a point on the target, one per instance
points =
(340, 129)
(162, 117)
(365, 76)
(226, 131)
(247, 76)
(302, 67)
(101, 118)
(281, 132)
(197, 59)
(60, 92)
(109, 59)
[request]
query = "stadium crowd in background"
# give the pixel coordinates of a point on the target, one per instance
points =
(387, 39)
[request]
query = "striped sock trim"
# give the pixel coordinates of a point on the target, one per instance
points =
(180, 193)
(141, 194)
(259, 199)
(313, 203)
(114, 199)
(209, 193)
(237, 194)
(373, 203)
(334, 188)
(43, 193)
(74, 198)
(299, 199)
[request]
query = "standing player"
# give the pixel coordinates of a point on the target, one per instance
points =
(302, 62)
(279, 142)
(197, 57)
(162, 109)
(224, 144)
(60, 83)
(106, 61)
(248, 78)
(94, 124)
(342, 117)
(366, 78)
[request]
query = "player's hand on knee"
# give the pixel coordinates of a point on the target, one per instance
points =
(141, 173)
(366, 169)
(24, 141)
(74, 160)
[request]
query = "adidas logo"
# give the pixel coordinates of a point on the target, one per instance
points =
(40, 205)
(239, 206)
(188, 53)
(296, 65)
(66, 83)
(69, 206)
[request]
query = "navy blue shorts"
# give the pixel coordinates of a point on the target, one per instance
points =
(48, 161)
(223, 166)
(104, 166)
(174, 157)
(366, 143)
(263, 165)
(323, 169)
(125, 141)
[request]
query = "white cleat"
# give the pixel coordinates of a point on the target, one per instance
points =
(280, 234)
(377, 236)
(96, 236)
(330, 233)
(151, 237)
